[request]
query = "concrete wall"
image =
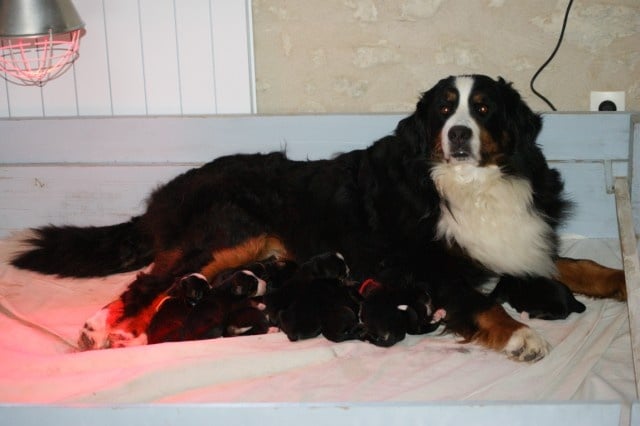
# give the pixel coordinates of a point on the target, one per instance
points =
(374, 55)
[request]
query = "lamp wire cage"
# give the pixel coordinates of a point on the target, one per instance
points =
(33, 61)
(39, 40)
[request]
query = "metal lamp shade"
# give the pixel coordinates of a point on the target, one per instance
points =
(39, 39)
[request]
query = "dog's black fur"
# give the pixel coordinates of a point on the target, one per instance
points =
(389, 313)
(192, 310)
(544, 299)
(378, 206)
(317, 299)
(302, 300)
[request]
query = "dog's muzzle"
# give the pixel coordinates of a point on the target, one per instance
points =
(460, 142)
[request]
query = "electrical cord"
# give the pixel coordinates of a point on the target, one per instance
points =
(533, 79)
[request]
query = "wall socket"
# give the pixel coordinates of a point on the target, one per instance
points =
(607, 101)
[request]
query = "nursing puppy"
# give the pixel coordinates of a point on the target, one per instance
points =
(544, 299)
(193, 310)
(318, 299)
(232, 304)
(389, 313)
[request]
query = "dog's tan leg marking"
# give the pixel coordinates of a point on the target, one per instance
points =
(252, 250)
(165, 260)
(497, 330)
(592, 279)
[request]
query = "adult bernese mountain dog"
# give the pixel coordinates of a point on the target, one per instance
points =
(458, 194)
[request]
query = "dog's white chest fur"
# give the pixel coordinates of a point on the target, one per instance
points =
(492, 217)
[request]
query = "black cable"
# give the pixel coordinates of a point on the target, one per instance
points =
(564, 26)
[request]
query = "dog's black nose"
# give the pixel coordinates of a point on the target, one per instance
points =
(459, 134)
(459, 137)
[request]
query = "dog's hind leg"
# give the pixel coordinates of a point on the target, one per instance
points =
(591, 279)
(124, 322)
(251, 250)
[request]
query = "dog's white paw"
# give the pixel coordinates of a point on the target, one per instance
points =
(107, 329)
(95, 331)
(527, 345)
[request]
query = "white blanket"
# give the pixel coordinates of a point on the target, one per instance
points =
(40, 317)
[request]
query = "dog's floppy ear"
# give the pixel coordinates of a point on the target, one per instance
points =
(526, 123)
(414, 128)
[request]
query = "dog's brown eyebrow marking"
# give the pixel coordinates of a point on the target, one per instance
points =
(479, 98)
(451, 95)
(252, 250)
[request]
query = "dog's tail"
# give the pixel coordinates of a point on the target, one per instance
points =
(72, 251)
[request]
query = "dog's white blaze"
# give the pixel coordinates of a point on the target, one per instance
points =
(492, 217)
(462, 117)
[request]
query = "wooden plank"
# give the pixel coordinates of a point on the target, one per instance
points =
(92, 67)
(587, 413)
(195, 56)
(4, 98)
(125, 57)
(158, 33)
(232, 58)
(35, 196)
(178, 142)
(199, 138)
(634, 178)
(101, 194)
(594, 136)
(25, 101)
(631, 264)
(59, 96)
(185, 139)
(594, 212)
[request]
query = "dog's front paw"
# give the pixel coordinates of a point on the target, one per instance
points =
(527, 345)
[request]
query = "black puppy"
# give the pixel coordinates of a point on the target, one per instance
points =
(222, 314)
(168, 323)
(255, 279)
(318, 299)
(540, 297)
(388, 313)
(193, 309)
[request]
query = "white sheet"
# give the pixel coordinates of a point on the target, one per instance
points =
(40, 317)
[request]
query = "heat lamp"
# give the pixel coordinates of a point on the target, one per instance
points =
(39, 39)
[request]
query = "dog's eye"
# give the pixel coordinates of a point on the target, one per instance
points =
(482, 109)
(445, 110)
